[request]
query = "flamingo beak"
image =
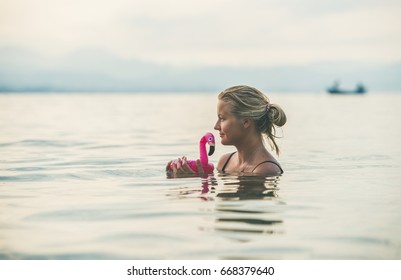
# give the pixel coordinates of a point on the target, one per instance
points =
(211, 150)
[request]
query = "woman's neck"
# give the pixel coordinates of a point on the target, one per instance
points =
(249, 150)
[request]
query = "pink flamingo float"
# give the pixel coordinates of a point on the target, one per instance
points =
(207, 167)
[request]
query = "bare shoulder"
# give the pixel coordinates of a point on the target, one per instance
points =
(268, 168)
(223, 159)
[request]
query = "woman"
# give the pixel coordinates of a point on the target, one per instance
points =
(245, 115)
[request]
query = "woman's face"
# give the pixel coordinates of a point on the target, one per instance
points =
(230, 127)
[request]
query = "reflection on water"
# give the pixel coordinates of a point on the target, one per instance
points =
(236, 214)
(244, 187)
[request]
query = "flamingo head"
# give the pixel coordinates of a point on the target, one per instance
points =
(209, 139)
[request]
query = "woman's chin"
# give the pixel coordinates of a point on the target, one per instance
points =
(224, 142)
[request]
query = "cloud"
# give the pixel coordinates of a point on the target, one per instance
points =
(220, 32)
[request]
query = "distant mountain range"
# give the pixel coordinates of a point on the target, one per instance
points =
(100, 71)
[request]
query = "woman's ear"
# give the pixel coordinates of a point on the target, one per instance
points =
(246, 122)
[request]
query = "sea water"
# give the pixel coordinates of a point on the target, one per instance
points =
(82, 176)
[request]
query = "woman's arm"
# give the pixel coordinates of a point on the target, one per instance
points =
(223, 159)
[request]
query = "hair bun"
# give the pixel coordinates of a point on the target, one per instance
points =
(278, 116)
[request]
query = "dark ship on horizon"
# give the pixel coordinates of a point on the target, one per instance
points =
(335, 89)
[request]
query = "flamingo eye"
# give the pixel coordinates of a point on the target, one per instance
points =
(210, 138)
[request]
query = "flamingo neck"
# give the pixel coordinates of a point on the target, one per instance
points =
(202, 152)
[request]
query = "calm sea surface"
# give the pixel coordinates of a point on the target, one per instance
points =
(82, 177)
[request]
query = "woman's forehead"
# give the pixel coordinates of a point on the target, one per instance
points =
(224, 106)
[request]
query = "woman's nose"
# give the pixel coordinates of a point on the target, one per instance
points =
(217, 126)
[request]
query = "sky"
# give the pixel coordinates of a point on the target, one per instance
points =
(209, 32)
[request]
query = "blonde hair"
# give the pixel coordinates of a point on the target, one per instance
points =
(249, 102)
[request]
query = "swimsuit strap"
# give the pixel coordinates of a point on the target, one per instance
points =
(224, 166)
(266, 161)
(270, 162)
